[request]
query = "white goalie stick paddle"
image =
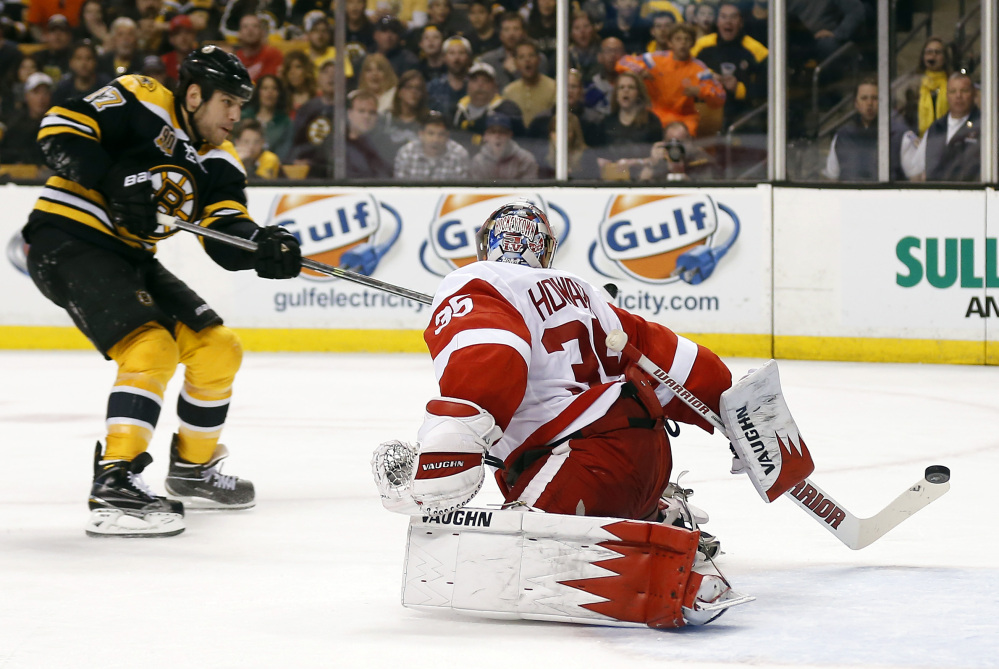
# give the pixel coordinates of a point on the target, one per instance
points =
(854, 532)
(329, 270)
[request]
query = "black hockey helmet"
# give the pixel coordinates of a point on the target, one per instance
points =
(214, 69)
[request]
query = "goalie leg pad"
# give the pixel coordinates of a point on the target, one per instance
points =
(764, 435)
(536, 566)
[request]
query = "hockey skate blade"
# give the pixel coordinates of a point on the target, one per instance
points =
(199, 504)
(117, 523)
(708, 611)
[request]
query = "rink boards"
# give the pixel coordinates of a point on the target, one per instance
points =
(759, 271)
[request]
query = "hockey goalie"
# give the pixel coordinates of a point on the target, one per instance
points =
(592, 530)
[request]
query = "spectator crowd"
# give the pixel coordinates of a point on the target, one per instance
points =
(442, 90)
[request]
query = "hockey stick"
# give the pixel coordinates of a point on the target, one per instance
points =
(854, 532)
(307, 263)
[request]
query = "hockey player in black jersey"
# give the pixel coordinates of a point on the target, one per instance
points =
(120, 155)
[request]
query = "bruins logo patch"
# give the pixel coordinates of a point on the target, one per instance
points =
(176, 191)
(145, 299)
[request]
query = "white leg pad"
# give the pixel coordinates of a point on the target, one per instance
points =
(537, 566)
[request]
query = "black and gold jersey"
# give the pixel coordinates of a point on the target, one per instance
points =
(131, 126)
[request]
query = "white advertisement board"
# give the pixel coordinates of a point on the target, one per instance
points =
(696, 260)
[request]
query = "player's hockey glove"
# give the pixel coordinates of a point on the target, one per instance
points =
(130, 200)
(278, 255)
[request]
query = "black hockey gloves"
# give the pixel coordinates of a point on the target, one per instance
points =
(129, 195)
(278, 255)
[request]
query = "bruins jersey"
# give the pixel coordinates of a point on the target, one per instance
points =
(131, 128)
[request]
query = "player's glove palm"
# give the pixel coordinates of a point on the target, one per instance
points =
(278, 255)
(130, 199)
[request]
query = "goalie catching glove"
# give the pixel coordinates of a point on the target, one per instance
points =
(445, 469)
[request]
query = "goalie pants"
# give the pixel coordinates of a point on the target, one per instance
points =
(618, 466)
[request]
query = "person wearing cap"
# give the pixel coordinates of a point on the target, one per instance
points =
(319, 34)
(54, 58)
(433, 155)
(82, 78)
(254, 52)
(483, 97)
(501, 158)
(40, 12)
(388, 42)
(183, 40)
(18, 144)
(444, 92)
(123, 55)
(153, 67)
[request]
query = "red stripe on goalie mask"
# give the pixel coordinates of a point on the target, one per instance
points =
(439, 465)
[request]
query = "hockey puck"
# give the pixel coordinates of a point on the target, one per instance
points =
(937, 474)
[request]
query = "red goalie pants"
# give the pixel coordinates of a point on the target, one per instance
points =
(612, 469)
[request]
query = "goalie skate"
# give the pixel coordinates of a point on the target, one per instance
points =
(123, 506)
(714, 596)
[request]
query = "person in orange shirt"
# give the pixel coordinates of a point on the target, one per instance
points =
(675, 80)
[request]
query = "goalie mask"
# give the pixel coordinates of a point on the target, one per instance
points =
(517, 233)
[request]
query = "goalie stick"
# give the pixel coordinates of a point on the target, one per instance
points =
(854, 532)
(308, 263)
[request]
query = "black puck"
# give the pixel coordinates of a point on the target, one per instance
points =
(937, 474)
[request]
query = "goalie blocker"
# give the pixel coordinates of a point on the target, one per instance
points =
(578, 569)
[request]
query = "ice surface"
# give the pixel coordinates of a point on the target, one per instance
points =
(312, 576)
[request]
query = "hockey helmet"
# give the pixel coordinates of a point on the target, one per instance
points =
(517, 233)
(214, 69)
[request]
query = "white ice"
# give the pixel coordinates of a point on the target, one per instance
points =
(311, 577)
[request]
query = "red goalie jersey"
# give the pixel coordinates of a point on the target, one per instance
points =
(583, 429)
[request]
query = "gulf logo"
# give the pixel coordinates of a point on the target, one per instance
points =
(644, 234)
(458, 216)
(331, 226)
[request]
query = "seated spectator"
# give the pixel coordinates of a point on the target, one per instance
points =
(431, 49)
(433, 155)
(541, 21)
(659, 25)
(388, 43)
(676, 158)
(319, 34)
(151, 26)
(299, 79)
(53, 60)
(650, 8)
(269, 107)
(584, 46)
(183, 40)
(922, 96)
(254, 52)
(82, 78)
(13, 92)
(360, 29)
(483, 97)
(675, 80)
(581, 164)
(703, 19)
(757, 21)
(500, 158)
(590, 120)
(40, 13)
(631, 128)
(831, 23)
(363, 160)
(378, 78)
(19, 144)
(444, 92)
(600, 90)
(739, 61)
(853, 153)
(533, 92)
(92, 25)
(401, 124)
(274, 16)
(627, 26)
(312, 135)
(441, 13)
(153, 68)
(124, 55)
(951, 148)
(302, 8)
(484, 36)
(248, 138)
(205, 18)
(503, 59)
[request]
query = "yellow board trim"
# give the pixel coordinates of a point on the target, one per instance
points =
(844, 349)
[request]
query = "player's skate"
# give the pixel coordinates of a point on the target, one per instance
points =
(121, 505)
(713, 597)
(203, 486)
(674, 509)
